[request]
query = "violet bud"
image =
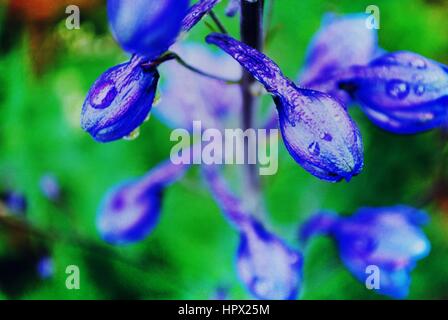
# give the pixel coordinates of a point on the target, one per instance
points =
(317, 131)
(146, 27)
(130, 211)
(266, 265)
(401, 92)
(341, 42)
(119, 101)
(389, 238)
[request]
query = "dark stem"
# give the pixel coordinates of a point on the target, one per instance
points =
(168, 56)
(252, 35)
(218, 22)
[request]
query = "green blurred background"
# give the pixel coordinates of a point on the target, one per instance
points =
(45, 73)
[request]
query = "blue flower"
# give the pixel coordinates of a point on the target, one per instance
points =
(119, 101)
(146, 27)
(122, 98)
(267, 266)
(130, 211)
(317, 131)
(389, 238)
(401, 92)
(341, 42)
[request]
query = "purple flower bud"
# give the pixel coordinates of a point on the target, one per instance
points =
(341, 42)
(197, 12)
(388, 238)
(401, 92)
(130, 211)
(266, 265)
(317, 131)
(119, 101)
(146, 27)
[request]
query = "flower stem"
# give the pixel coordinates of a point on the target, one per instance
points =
(251, 34)
(218, 22)
(168, 56)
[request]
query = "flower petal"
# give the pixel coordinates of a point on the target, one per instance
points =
(197, 12)
(318, 132)
(389, 238)
(146, 27)
(260, 66)
(266, 265)
(119, 101)
(341, 42)
(130, 211)
(402, 92)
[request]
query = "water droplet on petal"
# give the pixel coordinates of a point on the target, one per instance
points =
(314, 148)
(103, 96)
(397, 89)
(419, 63)
(419, 89)
(133, 135)
(326, 136)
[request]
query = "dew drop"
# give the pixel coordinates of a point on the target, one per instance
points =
(418, 63)
(397, 89)
(133, 135)
(103, 95)
(314, 148)
(326, 136)
(419, 89)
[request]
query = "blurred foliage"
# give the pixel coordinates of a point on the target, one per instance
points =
(45, 73)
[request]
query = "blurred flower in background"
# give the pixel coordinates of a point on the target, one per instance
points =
(14, 202)
(388, 238)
